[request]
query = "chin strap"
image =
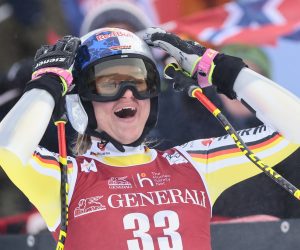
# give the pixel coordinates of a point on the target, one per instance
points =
(105, 138)
(119, 146)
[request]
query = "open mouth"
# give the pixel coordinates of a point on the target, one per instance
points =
(126, 112)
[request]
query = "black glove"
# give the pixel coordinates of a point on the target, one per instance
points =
(53, 65)
(205, 65)
(52, 70)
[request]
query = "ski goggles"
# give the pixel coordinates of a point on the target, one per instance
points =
(108, 80)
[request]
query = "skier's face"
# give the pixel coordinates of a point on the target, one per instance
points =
(125, 118)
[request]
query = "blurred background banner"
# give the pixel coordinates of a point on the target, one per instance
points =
(257, 22)
(157, 10)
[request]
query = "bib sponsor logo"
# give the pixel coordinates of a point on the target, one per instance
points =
(156, 179)
(89, 205)
(142, 179)
(139, 180)
(141, 199)
(157, 198)
(119, 183)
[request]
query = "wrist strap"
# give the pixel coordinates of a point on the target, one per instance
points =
(65, 76)
(204, 66)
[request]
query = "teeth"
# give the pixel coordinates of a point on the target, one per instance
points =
(125, 108)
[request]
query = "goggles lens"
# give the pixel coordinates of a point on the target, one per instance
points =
(108, 80)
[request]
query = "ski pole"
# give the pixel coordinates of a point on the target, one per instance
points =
(64, 188)
(196, 92)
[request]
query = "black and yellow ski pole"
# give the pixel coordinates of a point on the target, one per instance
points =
(64, 188)
(197, 93)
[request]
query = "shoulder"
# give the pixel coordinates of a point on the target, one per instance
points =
(46, 158)
(45, 155)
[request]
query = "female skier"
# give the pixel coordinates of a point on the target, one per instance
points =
(121, 193)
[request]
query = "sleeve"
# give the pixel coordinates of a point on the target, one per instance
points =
(35, 171)
(273, 105)
(39, 180)
(224, 164)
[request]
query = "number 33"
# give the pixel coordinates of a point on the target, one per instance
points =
(143, 226)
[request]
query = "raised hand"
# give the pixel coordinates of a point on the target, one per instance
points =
(206, 65)
(57, 59)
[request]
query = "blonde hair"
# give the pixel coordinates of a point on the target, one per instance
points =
(81, 144)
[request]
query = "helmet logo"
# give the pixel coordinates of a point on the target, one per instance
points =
(102, 36)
